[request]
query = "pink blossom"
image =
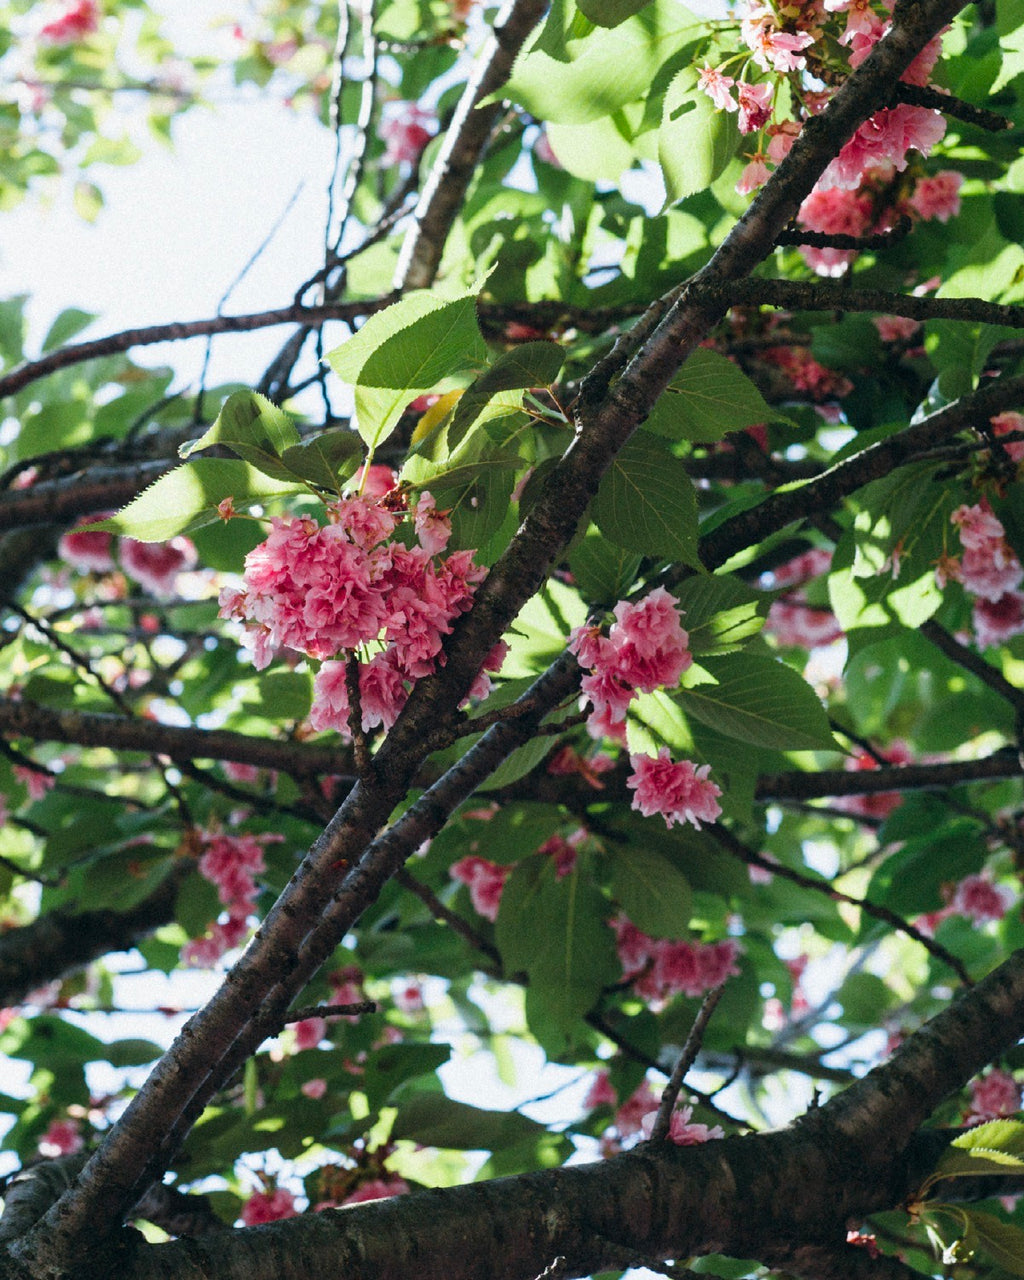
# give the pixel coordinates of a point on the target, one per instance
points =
(377, 1189)
(773, 50)
(874, 804)
(62, 1138)
(795, 624)
(718, 87)
(755, 106)
(781, 138)
(650, 645)
(382, 691)
(938, 196)
(754, 176)
(87, 550)
(330, 699)
(433, 527)
(270, 1205)
(993, 1095)
(231, 862)
(629, 1117)
(77, 21)
(896, 328)
(405, 134)
(678, 791)
(1004, 424)
(485, 881)
(681, 1131)
(37, 782)
(802, 568)
(409, 998)
(544, 151)
(601, 1092)
(563, 852)
(315, 1088)
(375, 481)
(492, 664)
(237, 771)
(883, 140)
(309, 1032)
(996, 621)
(981, 901)
(156, 565)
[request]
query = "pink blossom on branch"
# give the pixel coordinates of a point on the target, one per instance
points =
(681, 1131)
(270, 1205)
(485, 881)
(156, 565)
(680, 792)
(993, 1095)
(74, 23)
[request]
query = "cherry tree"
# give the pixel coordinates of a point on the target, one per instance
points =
(596, 640)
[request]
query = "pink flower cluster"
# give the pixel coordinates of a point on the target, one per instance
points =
(977, 898)
(993, 1095)
(791, 620)
(485, 881)
(874, 804)
(74, 23)
(1004, 424)
(405, 134)
(645, 649)
(681, 1131)
(232, 864)
(660, 968)
(328, 590)
(154, 565)
(679, 791)
(62, 1138)
(270, 1205)
(990, 570)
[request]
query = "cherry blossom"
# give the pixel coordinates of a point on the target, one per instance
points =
(309, 1032)
(996, 621)
(87, 550)
(377, 1189)
(718, 88)
(981, 901)
(755, 106)
(678, 791)
(681, 1131)
(601, 1092)
(993, 1095)
(270, 1205)
(485, 881)
(661, 968)
(876, 804)
(405, 134)
(62, 1138)
(77, 21)
(156, 565)
(1006, 423)
(37, 782)
(938, 196)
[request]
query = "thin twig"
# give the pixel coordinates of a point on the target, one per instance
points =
(670, 1094)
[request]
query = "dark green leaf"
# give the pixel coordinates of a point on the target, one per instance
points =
(646, 503)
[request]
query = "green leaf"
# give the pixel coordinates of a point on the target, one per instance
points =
(647, 503)
(325, 458)
(757, 700)
(534, 364)
(403, 352)
(911, 879)
(602, 571)
(187, 497)
(554, 930)
(67, 326)
(1002, 1241)
(254, 429)
(435, 1120)
(696, 141)
(610, 13)
(1006, 1136)
(652, 892)
(709, 397)
(603, 71)
(720, 612)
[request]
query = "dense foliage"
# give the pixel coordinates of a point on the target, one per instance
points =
(599, 639)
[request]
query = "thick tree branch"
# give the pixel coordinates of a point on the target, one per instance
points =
(784, 1197)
